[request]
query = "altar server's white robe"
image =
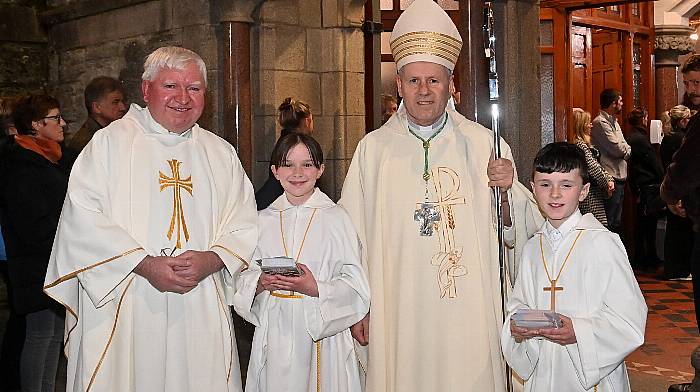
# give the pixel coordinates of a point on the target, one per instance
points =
(600, 295)
(121, 333)
(436, 305)
(292, 331)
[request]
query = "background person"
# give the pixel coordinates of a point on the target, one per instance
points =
(681, 186)
(293, 116)
(104, 101)
(603, 184)
(607, 137)
(389, 106)
(33, 180)
(13, 339)
(678, 241)
(645, 176)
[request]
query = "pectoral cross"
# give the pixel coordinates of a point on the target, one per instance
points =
(178, 184)
(427, 214)
(553, 289)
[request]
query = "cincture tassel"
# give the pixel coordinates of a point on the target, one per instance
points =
(500, 228)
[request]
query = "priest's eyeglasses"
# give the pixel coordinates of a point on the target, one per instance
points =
(57, 118)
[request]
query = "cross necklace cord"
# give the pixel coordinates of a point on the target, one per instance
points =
(306, 232)
(426, 147)
(553, 288)
(427, 214)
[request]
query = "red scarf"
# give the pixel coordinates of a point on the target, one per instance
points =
(48, 149)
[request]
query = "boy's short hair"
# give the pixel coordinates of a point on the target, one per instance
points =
(561, 157)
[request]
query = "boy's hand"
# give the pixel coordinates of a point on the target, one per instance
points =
(520, 333)
(564, 335)
(305, 284)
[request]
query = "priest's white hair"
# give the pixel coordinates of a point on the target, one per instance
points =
(173, 57)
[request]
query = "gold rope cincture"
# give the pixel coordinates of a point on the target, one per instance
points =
(286, 252)
(427, 213)
(292, 295)
(553, 288)
(553, 283)
(178, 216)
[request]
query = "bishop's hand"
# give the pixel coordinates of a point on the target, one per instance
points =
(500, 172)
(160, 273)
(360, 331)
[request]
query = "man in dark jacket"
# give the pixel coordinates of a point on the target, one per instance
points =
(681, 186)
(104, 101)
(645, 175)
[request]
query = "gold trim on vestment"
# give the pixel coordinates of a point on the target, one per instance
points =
(178, 215)
(111, 336)
(234, 254)
(286, 252)
(448, 259)
(318, 366)
(232, 340)
(75, 273)
(286, 296)
(426, 42)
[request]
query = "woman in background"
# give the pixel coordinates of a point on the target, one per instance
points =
(602, 184)
(293, 116)
(33, 182)
(678, 242)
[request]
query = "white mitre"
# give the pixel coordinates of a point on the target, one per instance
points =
(424, 32)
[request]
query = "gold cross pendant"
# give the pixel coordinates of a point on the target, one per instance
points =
(553, 289)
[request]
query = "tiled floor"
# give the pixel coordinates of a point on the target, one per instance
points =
(671, 336)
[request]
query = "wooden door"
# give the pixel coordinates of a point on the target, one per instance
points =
(582, 70)
(607, 63)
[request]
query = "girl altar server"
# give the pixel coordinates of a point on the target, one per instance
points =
(302, 341)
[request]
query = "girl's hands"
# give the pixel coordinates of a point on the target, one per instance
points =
(563, 335)
(304, 284)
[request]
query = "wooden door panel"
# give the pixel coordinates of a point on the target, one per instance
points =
(607, 62)
(581, 59)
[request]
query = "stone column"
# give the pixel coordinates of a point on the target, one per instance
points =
(235, 21)
(670, 42)
(473, 65)
(517, 62)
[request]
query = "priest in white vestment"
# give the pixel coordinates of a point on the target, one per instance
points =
(158, 220)
(418, 192)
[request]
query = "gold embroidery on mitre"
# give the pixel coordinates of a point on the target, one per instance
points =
(178, 184)
(426, 42)
(448, 258)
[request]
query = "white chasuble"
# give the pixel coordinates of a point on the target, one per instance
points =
(137, 190)
(301, 343)
(435, 315)
(597, 290)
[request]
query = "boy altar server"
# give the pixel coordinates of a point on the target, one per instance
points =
(577, 268)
